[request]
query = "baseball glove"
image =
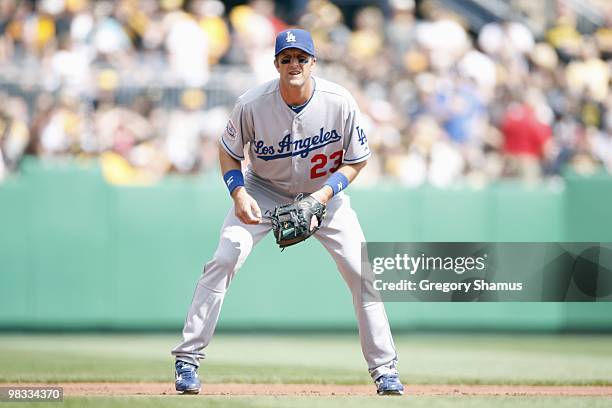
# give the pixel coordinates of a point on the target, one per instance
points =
(292, 223)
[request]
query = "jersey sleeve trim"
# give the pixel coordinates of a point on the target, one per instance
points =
(229, 151)
(359, 159)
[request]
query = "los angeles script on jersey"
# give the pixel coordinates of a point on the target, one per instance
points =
(287, 147)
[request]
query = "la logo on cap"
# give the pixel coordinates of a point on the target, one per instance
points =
(290, 37)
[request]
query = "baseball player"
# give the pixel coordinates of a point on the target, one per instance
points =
(304, 135)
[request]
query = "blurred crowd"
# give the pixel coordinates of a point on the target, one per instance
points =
(146, 86)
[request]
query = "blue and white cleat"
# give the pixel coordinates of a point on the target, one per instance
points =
(186, 378)
(389, 384)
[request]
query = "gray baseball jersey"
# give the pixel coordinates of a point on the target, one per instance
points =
(296, 152)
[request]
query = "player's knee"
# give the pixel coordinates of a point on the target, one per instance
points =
(352, 276)
(234, 247)
(220, 271)
(227, 260)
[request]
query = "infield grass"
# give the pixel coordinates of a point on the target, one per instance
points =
(334, 359)
(329, 402)
(424, 359)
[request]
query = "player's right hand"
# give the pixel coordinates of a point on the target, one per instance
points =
(246, 208)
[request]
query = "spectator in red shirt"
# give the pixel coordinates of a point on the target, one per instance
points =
(525, 140)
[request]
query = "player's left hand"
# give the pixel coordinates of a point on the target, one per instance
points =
(295, 222)
(323, 195)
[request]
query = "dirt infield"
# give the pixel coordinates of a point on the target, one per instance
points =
(124, 389)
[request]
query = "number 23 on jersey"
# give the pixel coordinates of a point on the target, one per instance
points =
(320, 162)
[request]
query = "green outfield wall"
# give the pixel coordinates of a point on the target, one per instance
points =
(77, 253)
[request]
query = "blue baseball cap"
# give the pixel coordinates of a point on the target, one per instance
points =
(294, 38)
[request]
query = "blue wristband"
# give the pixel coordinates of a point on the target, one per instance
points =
(337, 182)
(233, 179)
